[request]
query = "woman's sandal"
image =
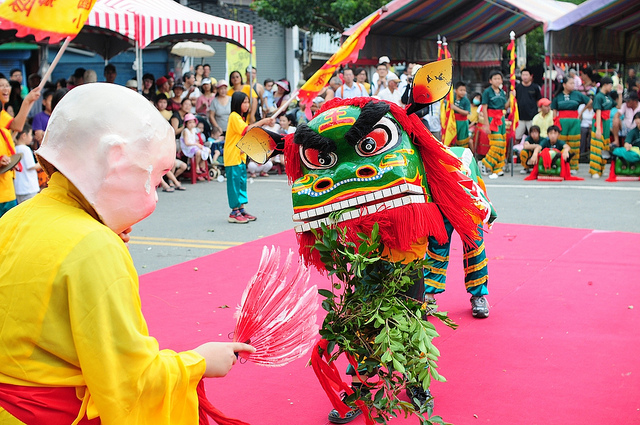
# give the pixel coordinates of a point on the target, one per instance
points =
(180, 188)
(170, 189)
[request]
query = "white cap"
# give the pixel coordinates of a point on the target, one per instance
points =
(114, 146)
(415, 70)
(132, 84)
(383, 59)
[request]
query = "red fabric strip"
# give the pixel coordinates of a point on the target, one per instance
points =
(40, 405)
(605, 115)
(207, 410)
(496, 122)
(568, 114)
(329, 377)
(460, 117)
(18, 166)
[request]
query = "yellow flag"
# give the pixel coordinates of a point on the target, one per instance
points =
(56, 19)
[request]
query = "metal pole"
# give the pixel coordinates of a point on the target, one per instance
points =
(139, 66)
(252, 119)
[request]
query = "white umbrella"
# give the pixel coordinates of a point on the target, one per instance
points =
(193, 49)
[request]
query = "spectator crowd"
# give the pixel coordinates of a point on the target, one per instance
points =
(591, 118)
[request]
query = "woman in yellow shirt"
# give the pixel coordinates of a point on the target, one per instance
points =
(237, 85)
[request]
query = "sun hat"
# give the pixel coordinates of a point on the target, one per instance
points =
(132, 84)
(190, 117)
(285, 85)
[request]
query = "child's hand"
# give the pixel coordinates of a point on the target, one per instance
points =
(565, 154)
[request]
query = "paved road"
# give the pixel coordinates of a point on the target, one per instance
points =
(193, 223)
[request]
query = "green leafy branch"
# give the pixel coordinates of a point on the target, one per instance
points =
(370, 317)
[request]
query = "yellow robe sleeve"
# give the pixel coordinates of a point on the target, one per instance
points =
(129, 380)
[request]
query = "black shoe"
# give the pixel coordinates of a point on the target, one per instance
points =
(479, 307)
(335, 418)
(420, 398)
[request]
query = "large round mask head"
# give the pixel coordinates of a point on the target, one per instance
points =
(114, 146)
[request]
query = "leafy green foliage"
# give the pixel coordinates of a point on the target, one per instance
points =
(370, 318)
(317, 16)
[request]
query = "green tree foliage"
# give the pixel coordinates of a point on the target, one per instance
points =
(317, 16)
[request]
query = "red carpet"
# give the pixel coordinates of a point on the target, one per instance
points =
(560, 346)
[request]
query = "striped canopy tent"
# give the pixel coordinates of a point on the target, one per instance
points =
(114, 26)
(598, 30)
(474, 28)
(138, 23)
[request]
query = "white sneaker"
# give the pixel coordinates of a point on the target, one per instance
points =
(493, 176)
(574, 172)
(595, 176)
(501, 173)
(524, 171)
(483, 169)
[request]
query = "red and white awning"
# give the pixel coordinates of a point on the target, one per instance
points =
(149, 20)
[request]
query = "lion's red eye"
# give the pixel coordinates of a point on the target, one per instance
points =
(383, 137)
(374, 141)
(314, 159)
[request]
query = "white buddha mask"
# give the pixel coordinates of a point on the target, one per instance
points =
(114, 146)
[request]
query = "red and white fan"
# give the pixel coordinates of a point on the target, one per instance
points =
(276, 316)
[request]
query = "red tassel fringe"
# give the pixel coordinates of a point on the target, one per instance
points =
(293, 163)
(206, 410)
(398, 228)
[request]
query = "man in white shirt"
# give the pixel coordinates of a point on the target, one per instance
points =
(381, 76)
(190, 89)
(350, 89)
(432, 120)
(392, 93)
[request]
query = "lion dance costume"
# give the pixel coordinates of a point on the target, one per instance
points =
(375, 163)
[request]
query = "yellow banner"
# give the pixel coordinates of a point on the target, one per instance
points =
(45, 18)
(238, 59)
